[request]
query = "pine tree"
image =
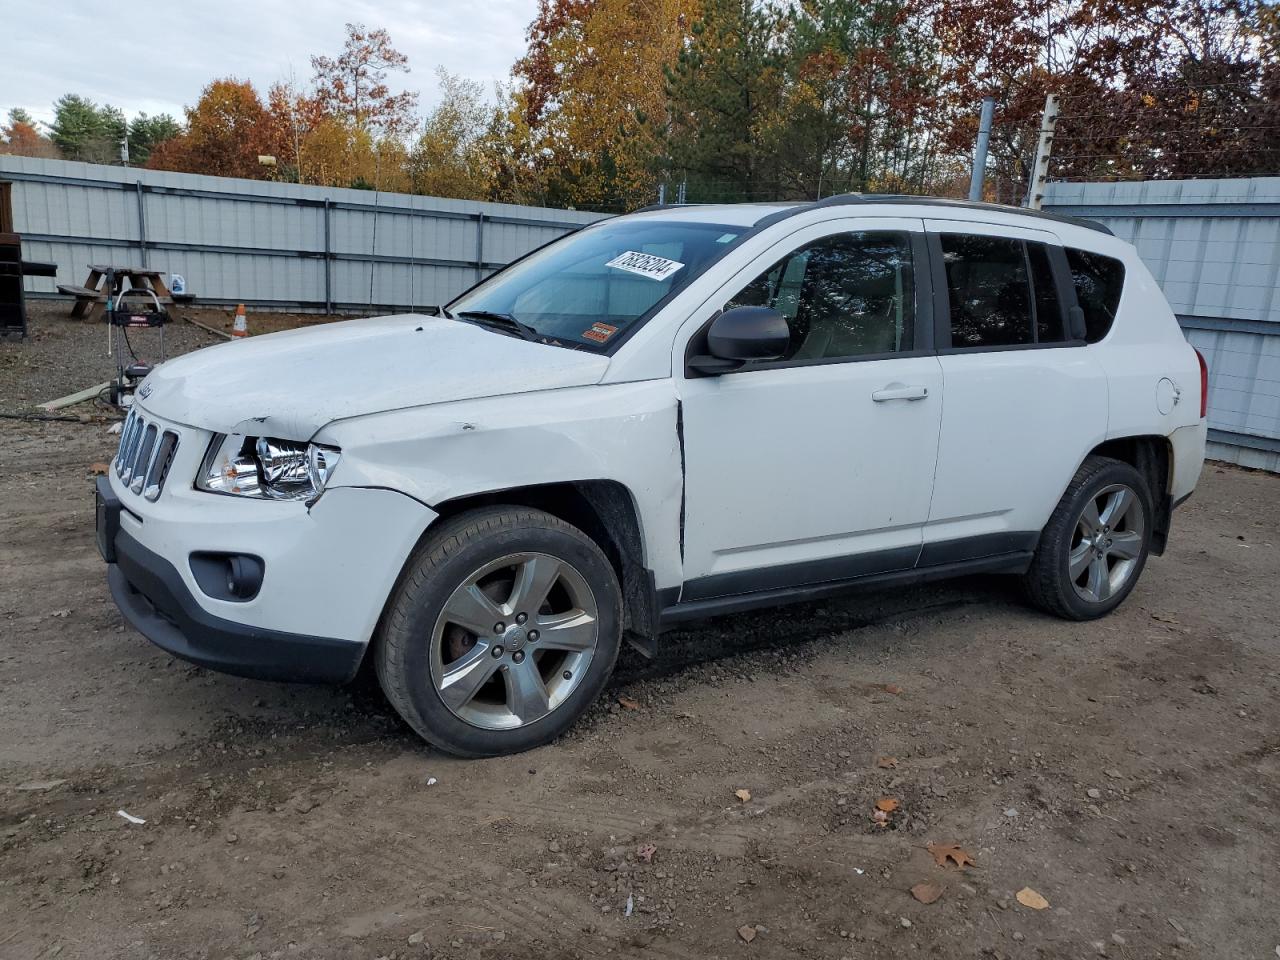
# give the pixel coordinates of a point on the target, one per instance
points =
(724, 91)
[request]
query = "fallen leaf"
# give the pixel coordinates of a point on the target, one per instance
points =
(98, 469)
(646, 851)
(887, 763)
(887, 804)
(628, 704)
(927, 892)
(1029, 898)
(747, 933)
(881, 818)
(743, 795)
(942, 852)
(892, 688)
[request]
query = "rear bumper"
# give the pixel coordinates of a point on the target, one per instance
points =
(154, 598)
(1188, 446)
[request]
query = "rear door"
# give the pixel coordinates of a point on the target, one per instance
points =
(1023, 403)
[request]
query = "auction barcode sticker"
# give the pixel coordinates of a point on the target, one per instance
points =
(645, 264)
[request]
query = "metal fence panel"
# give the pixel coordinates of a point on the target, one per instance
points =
(271, 245)
(1214, 248)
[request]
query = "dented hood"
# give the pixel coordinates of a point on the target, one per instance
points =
(293, 383)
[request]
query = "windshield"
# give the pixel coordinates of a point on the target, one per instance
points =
(590, 287)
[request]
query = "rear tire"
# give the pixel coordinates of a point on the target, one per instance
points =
(503, 629)
(1096, 543)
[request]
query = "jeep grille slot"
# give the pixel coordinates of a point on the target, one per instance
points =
(145, 455)
(160, 462)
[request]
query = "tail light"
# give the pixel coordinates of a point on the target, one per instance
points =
(1204, 385)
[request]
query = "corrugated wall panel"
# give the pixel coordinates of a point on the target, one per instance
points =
(1214, 247)
(76, 214)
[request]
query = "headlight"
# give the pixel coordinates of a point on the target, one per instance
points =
(266, 468)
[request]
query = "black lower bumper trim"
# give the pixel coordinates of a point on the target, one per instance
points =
(153, 597)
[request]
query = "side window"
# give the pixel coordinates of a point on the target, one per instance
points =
(1050, 327)
(989, 290)
(1002, 292)
(1099, 281)
(844, 296)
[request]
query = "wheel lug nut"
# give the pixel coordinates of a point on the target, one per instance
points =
(518, 656)
(498, 651)
(533, 636)
(521, 618)
(499, 627)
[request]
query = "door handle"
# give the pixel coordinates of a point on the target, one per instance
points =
(900, 391)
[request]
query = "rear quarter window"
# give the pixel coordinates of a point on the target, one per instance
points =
(1099, 281)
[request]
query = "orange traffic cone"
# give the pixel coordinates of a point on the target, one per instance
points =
(240, 328)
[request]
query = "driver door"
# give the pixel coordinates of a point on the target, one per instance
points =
(817, 467)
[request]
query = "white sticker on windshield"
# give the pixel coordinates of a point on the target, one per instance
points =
(645, 264)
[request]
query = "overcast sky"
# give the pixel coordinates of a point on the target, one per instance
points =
(154, 57)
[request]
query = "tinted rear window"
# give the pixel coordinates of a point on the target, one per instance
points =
(1099, 281)
(989, 290)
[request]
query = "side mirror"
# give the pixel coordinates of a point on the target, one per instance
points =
(1076, 327)
(742, 334)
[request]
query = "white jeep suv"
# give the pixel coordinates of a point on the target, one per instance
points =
(669, 415)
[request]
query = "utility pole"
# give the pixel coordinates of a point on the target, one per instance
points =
(981, 147)
(1040, 168)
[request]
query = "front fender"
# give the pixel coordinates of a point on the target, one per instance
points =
(620, 432)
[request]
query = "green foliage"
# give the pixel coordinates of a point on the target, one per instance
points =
(146, 132)
(449, 158)
(725, 90)
(84, 131)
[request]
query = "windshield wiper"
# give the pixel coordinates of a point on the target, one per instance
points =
(499, 321)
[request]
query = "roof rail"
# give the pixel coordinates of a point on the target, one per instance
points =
(857, 199)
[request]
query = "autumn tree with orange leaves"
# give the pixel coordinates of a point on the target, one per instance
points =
(20, 138)
(226, 132)
(590, 101)
(749, 100)
(353, 85)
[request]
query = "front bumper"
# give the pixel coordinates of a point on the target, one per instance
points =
(325, 570)
(152, 596)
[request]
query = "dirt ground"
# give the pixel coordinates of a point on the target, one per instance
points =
(1126, 770)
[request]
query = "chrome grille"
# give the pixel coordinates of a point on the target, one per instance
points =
(145, 455)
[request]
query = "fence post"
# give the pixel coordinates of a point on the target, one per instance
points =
(142, 223)
(1040, 169)
(980, 149)
(479, 247)
(328, 260)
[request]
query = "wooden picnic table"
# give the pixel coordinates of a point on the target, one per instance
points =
(91, 298)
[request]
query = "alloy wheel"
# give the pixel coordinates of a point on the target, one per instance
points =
(1107, 544)
(514, 640)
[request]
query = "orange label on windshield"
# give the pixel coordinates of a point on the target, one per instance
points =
(599, 332)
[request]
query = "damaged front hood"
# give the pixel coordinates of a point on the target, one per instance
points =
(293, 383)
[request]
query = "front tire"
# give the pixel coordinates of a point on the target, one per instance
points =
(1096, 543)
(503, 630)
